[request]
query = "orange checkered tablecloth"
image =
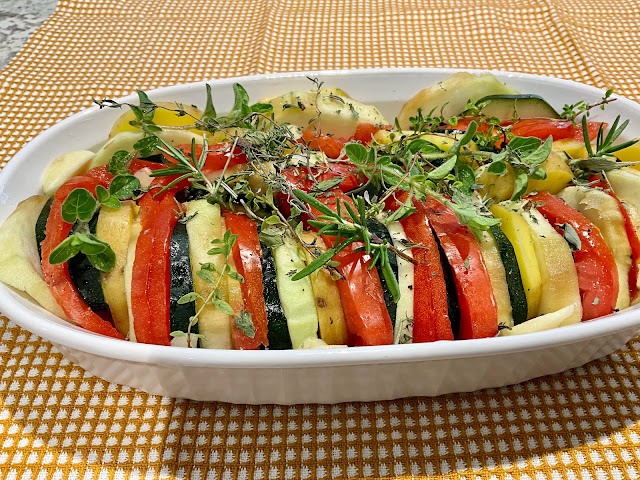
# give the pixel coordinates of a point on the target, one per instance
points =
(57, 421)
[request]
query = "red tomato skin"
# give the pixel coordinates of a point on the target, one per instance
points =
(246, 255)
(478, 308)
(366, 314)
(430, 312)
(150, 285)
(596, 267)
(368, 321)
(57, 276)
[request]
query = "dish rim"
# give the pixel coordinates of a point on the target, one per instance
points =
(76, 338)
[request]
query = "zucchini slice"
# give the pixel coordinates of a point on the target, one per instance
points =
(498, 278)
(517, 232)
(333, 326)
(513, 107)
(517, 295)
(181, 279)
(20, 265)
(451, 95)
(381, 231)
(85, 276)
(277, 329)
(403, 327)
(205, 225)
(41, 225)
(295, 297)
(557, 268)
(114, 227)
(603, 210)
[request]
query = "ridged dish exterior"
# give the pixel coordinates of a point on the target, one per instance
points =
(350, 383)
(331, 376)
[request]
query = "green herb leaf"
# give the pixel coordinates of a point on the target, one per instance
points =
(245, 324)
(356, 152)
(223, 306)
(147, 145)
(124, 186)
(79, 205)
(497, 168)
(119, 162)
(444, 169)
(188, 298)
(206, 275)
(105, 198)
(541, 153)
(67, 249)
(329, 184)
(571, 236)
(209, 110)
(520, 185)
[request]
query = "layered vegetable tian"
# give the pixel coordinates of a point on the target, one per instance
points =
(308, 220)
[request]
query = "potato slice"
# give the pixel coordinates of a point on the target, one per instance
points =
(602, 209)
(63, 168)
(19, 260)
(548, 321)
(558, 175)
(626, 185)
(557, 268)
(451, 96)
(325, 111)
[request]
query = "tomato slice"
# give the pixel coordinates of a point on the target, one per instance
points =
(332, 146)
(368, 320)
(150, 282)
(596, 267)
(430, 312)
(57, 276)
(542, 128)
(247, 254)
(478, 308)
(216, 159)
(632, 235)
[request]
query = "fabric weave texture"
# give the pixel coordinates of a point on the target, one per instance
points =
(57, 421)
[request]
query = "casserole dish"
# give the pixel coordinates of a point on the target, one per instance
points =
(313, 376)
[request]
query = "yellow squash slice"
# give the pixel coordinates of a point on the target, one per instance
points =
(517, 231)
(114, 227)
(333, 326)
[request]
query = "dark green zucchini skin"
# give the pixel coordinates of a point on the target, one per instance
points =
(377, 228)
(453, 308)
(517, 294)
(277, 329)
(181, 282)
(85, 276)
(526, 105)
(41, 225)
